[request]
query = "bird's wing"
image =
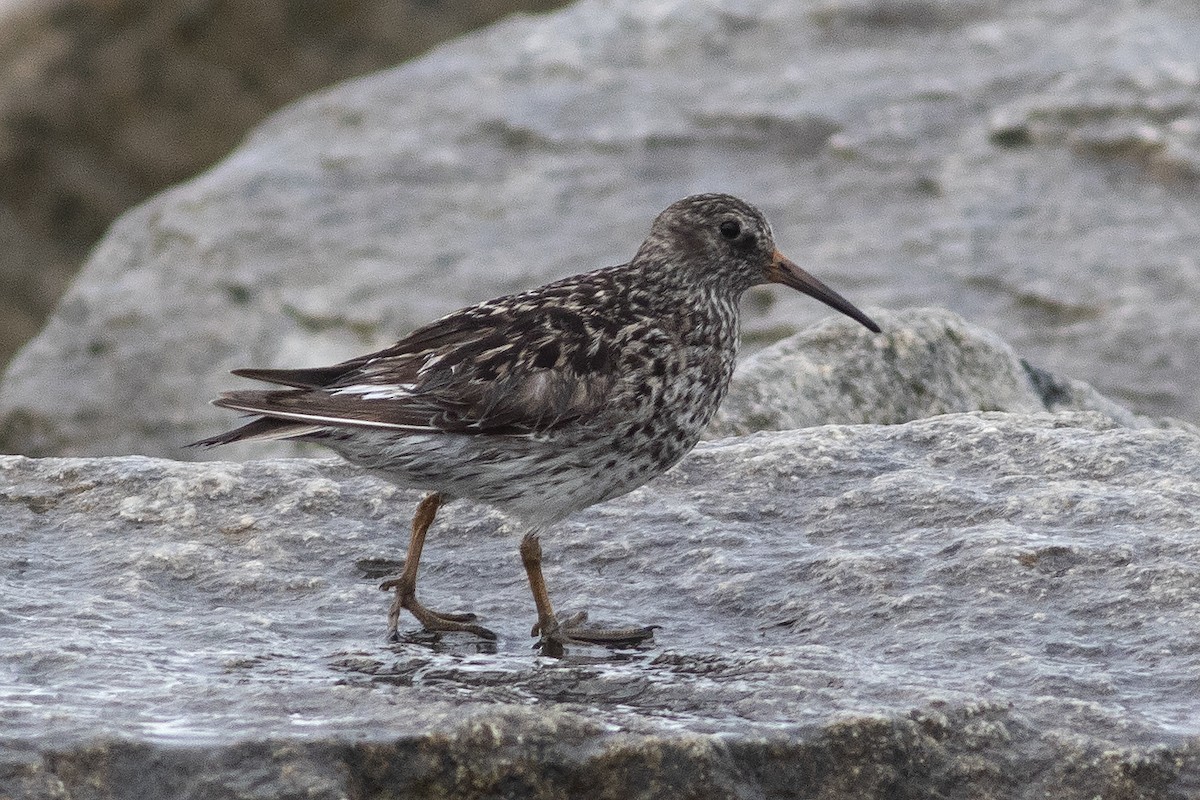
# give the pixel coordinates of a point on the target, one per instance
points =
(499, 368)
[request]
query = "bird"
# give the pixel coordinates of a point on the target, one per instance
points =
(547, 401)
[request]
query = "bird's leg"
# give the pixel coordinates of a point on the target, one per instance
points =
(555, 632)
(406, 584)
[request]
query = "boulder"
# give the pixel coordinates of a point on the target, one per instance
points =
(104, 104)
(928, 362)
(972, 605)
(971, 156)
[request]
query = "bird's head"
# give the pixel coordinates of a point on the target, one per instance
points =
(720, 241)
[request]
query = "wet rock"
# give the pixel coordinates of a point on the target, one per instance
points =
(972, 156)
(981, 604)
(927, 362)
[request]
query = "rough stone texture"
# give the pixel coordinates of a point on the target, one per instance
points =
(104, 103)
(931, 361)
(975, 605)
(974, 156)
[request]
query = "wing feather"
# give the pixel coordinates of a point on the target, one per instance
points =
(515, 366)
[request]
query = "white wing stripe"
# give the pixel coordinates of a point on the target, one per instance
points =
(376, 391)
(298, 416)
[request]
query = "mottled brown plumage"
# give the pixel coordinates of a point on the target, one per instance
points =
(547, 401)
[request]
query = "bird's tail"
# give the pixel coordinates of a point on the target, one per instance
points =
(261, 429)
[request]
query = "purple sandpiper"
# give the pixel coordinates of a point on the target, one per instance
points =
(544, 402)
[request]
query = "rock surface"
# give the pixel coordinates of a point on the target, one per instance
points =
(929, 362)
(976, 605)
(975, 156)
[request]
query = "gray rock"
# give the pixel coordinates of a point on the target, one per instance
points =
(972, 156)
(972, 605)
(927, 362)
(104, 104)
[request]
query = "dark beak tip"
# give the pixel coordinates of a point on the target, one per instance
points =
(784, 271)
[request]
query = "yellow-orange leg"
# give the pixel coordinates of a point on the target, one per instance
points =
(554, 633)
(406, 584)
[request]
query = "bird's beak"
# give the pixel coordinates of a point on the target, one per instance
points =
(781, 270)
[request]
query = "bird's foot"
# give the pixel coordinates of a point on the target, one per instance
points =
(555, 633)
(406, 598)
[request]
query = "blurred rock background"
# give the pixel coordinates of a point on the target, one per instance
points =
(1030, 166)
(105, 102)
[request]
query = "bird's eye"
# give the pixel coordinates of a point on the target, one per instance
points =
(730, 229)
